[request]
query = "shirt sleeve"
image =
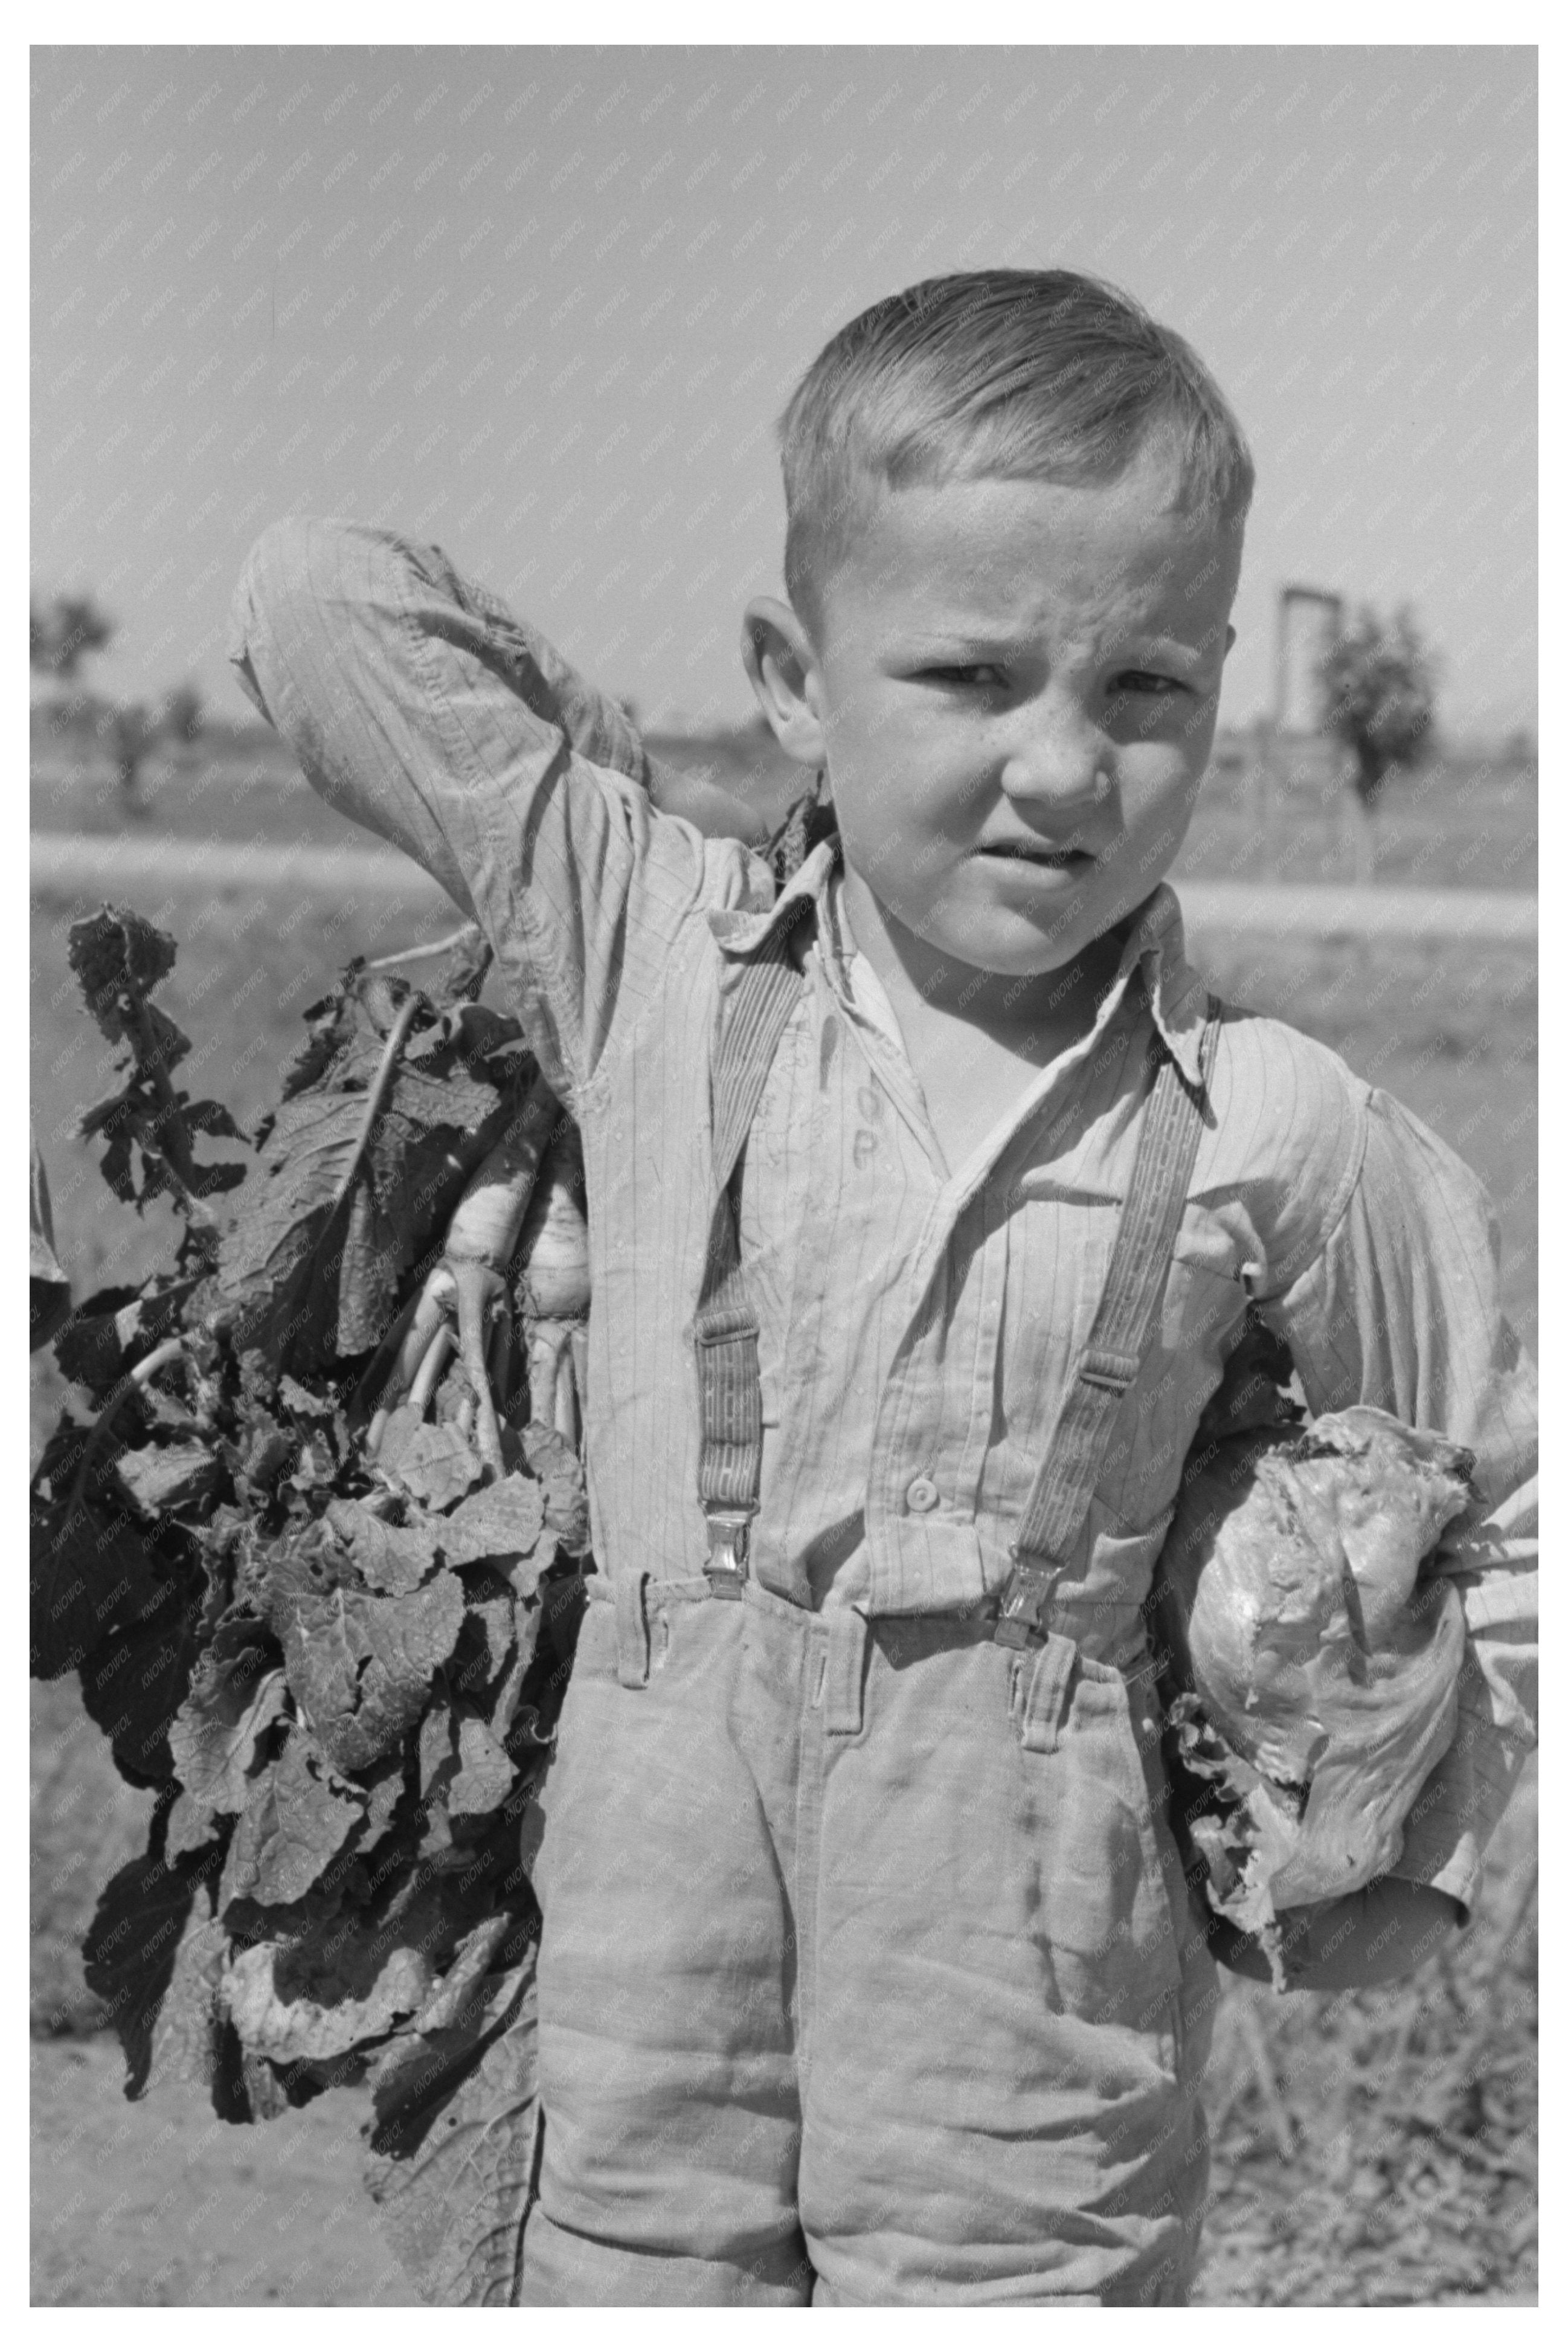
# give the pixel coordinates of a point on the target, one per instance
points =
(419, 707)
(1402, 1308)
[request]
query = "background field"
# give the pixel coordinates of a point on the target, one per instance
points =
(1378, 2149)
(1466, 818)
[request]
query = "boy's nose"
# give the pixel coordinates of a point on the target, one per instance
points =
(1064, 767)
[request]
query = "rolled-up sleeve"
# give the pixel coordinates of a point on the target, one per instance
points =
(421, 709)
(1401, 1308)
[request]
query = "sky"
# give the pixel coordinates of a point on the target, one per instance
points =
(544, 306)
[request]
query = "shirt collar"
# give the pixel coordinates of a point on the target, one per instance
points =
(1155, 949)
(740, 932)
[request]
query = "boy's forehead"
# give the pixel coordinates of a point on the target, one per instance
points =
(983, 552)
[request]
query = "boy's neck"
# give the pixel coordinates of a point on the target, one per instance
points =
(1038, 1015)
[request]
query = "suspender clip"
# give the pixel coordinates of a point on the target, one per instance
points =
(728, 1550)
(1020, 1614)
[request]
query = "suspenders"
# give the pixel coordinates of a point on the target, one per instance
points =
(728, 1384)
(1075, 1451)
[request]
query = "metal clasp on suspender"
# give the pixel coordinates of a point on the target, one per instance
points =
(1026, 1596)
(728, 1560)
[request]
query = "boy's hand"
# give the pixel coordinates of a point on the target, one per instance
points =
(1371, 1937)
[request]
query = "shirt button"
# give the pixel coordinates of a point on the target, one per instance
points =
(921, 1494)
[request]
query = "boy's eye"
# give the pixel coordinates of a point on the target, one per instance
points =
(965, 674)
(1145, 681)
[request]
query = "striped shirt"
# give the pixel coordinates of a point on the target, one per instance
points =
(918, 1323)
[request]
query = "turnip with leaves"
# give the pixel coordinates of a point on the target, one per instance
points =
(332, 1636)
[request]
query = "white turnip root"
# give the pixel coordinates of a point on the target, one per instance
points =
(468, 1288)
(553, 1291)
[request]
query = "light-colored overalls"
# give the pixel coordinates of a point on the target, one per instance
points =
(862, 1977)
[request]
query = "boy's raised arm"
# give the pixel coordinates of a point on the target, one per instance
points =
(1402, 1308)
(421, 709)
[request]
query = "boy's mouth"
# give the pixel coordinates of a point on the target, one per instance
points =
(1029, 853)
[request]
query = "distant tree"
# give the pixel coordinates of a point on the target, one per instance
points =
(128, 733)
(183, 715)
(63, 631)
(131, 731)
(1380, 700)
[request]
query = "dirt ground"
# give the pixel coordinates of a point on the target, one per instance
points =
(161, 2203)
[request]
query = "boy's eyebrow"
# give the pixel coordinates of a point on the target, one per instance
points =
(1193, 649)
(961, 644)
(966, 642)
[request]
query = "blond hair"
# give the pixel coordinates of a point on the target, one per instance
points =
(1019, 374)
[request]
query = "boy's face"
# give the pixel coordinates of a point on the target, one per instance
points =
(1016, 684)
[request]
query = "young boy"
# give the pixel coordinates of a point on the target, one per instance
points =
(868, 1972)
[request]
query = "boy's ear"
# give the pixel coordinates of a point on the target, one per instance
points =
(782, 667)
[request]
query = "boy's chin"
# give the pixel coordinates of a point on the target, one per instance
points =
(1004, 940)
(1009, 950)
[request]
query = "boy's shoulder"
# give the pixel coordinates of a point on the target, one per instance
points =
(1259, 1054)
(1288, 1135)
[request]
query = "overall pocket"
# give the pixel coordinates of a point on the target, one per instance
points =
(1089, 1767)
